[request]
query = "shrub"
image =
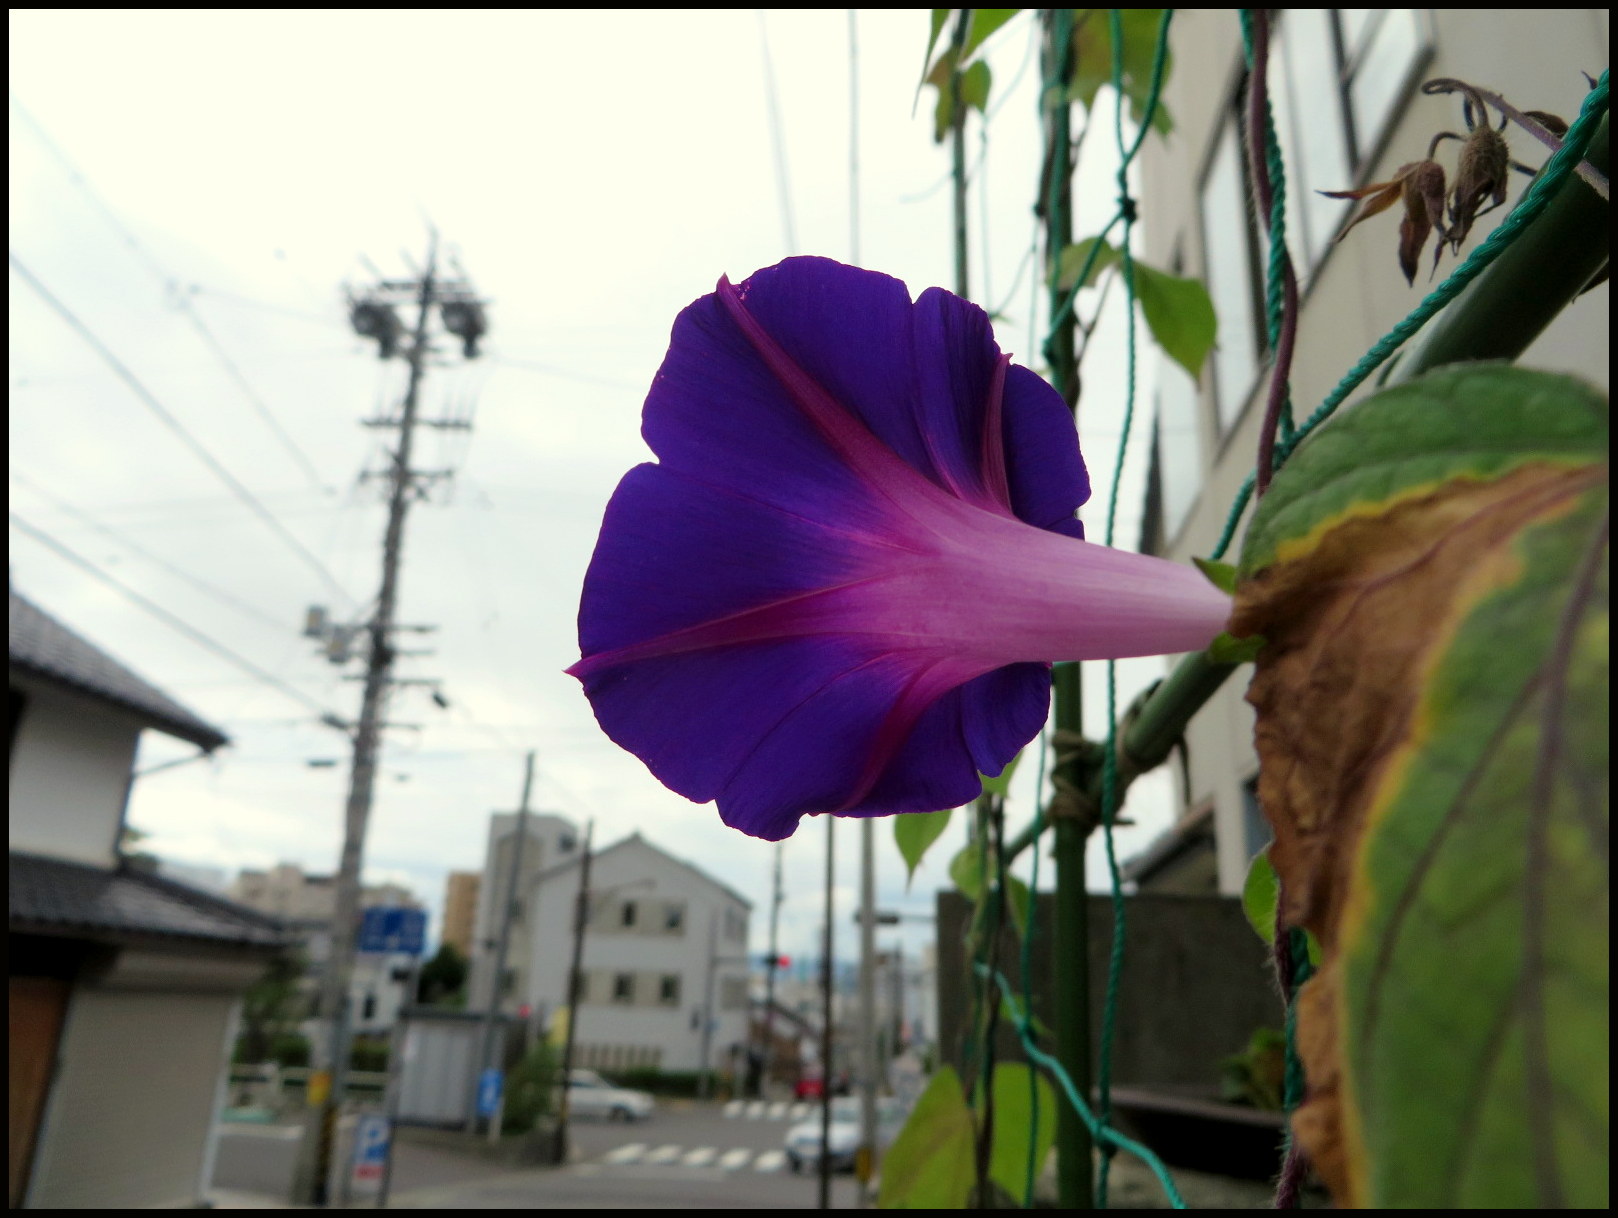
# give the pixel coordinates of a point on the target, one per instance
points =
(684, 1083)
(529, 1088)
(368, 1053)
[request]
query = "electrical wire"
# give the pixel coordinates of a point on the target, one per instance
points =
(219, 594)
(167, 618)
(506, 361)
(180, 298)
(783, 185)
(179, 429)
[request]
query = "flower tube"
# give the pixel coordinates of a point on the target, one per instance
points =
(842, 585)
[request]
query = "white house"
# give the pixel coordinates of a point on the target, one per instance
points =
(124, 987)
(1345, 85)
(664, 967)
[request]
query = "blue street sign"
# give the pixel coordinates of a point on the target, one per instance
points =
(393, 930)
(371, 1142)
(489, 1084)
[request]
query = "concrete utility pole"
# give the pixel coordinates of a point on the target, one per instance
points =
(581, 917)
(705, 1053)
(373, 317)
(865, 1156)
(769, 981)
(485, 1057)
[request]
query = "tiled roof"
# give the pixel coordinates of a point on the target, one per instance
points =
(53, 896)
(43, 647)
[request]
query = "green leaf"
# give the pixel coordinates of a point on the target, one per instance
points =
(1470, 421)
(1432, 725)
(939, 17)
(1259, 895)
(1228, 649)
(1221, 574)
(1000, 784)
(1179, 314)
(1092, 47)
(966, 870)
(914, 832)
(1017, 1097)
(931, 1163)
(1070, 265)
(975, 83)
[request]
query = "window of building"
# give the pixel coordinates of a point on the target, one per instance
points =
(1383, 50)
(735, 923)
(668, 990)
(623, 987)
(1227, 243)
(369, 1009)
(565, 844)
(1313, 130)
(628, 914)
(674, 918)
(1179, 447)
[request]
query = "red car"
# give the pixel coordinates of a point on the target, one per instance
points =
(808, 1087)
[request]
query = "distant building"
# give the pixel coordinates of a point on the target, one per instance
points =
(307, 904)
(546, 841)
(460, 910)
(124, 987)
(1345, 86)
(664, 970)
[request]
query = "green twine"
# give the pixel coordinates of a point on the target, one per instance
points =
(1537, 198)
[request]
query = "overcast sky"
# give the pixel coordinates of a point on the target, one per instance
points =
(593, 173)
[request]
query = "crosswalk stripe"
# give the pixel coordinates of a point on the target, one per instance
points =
(700, 1157)
(800, 1112)
(664, 1154)
(756, 1108)
(625, 1154)
(734, 1108)
(777, 1110)
(770, 1160)
(733, 1159)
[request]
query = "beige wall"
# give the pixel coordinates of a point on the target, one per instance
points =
(70, 769)
(1356, 293)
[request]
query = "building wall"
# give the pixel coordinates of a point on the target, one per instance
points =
(1353, 292)
(131, 1116)
(710, 942)
(460, 909)
(548, 840)
(70, 767)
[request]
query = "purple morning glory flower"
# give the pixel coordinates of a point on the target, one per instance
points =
(841, 587)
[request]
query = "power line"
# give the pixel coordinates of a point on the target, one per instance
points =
(783, 187)
(203, 585)
(191, 442)
(180, 298)
(562, 373)
(167, 618)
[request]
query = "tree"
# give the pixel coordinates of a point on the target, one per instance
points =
(271, 1007)
(443, 978)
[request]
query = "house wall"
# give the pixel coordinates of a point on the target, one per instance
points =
(130, 1119)
(713, 923)
(1353, 292)
(70, 767)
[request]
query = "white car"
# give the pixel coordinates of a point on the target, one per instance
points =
(591, 1095)
(803, 1139)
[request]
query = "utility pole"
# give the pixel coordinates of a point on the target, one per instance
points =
(485, 1057)
(373, 317)
(865, 1156)
(705, 1053)
(581, 917)
(825, 1028)
(769, 980)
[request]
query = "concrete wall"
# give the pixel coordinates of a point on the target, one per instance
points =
(636, 871)
(70, 767)
(1353, 292)
(1196, 984)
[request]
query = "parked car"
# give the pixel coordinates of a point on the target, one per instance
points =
(591, 1095)
(803, 1140)
(808, 1086)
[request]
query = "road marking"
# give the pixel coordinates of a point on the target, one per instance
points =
(625, 1154)
(756, 1109)
(770, 1160)
(664, 1154)
(731, 1160)
(800, 1112)
(734, 1108)
(778, 1110)
(700, 1157)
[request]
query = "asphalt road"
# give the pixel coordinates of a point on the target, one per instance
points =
(685, 1156)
